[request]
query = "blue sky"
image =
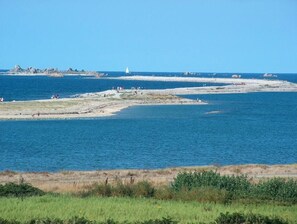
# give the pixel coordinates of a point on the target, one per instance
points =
(154, 35)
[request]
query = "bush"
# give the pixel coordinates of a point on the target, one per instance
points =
(164, 193)
(122, 190)
(143, 189)
(159, 221)
(239, 218)
(104, 190)
(45, 221)
(277, 189)
(211, 179)
(203, 194)
(238, 187)
(4, 221)
(19, 190)
(77, 220)
(206, 187)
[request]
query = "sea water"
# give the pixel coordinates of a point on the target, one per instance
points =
(231, 129)
(43, 87)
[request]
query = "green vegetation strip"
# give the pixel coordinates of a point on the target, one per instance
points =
(130, 209)
(204, 197)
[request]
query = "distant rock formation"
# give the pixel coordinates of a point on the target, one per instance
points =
(16, 69)
(50, 71)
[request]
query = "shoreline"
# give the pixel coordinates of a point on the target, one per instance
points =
(233, 85)
(75, 181)
(110, 102)
(88, 105)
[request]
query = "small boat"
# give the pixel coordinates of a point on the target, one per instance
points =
(269, 75)
(189, 73)
(235, 76)
(127, 71)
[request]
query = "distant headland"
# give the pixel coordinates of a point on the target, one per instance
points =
(54, 72)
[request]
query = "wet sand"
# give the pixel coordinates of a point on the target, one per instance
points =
(74, 181)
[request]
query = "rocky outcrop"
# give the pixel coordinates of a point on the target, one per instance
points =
(50, 71)
(16, 69)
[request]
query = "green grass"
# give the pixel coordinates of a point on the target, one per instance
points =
(276, 190)
(129, 209)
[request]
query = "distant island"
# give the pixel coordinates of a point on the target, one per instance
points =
(54, 72)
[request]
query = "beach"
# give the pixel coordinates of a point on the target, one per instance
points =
(233, 85)
(100, 104)
(75, 181)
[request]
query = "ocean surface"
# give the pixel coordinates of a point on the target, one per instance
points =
(42, 87)
(231, 129)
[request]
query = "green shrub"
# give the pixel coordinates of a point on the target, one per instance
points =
(104, 190)
(77, 220)
(203, 194)
(122, 190)
(45, 221)
(4, 221)
(239, 218)
(277, 189)
(110, 221)
(143, 189)
(211, 179)
(206, 186)
(164, 193)
(19, 190)
(238, 187)
(159, 221)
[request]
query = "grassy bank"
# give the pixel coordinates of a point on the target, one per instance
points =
(199, 197)
(129, 209)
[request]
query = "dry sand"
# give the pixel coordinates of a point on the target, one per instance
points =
(74, 181)
(233, 85)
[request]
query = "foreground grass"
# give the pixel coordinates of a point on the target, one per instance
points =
(129, 209)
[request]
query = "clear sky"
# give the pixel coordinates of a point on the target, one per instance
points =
(150, 35)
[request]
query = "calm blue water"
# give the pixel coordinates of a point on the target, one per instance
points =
(42, 87)
(250, 128)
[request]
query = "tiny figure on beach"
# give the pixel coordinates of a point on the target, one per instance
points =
(1, 99)
(55, 96)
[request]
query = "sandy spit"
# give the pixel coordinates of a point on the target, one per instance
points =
(88, 105)
(233, 85)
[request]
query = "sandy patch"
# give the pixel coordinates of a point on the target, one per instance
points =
(73, 181)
